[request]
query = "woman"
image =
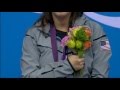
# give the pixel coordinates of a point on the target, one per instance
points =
(42, 51)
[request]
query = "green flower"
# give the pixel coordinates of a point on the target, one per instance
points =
(79, 44)
(81, 35)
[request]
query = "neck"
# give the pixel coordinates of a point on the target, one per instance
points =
(62, 23)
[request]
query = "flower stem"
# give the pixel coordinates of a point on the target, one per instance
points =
(81, 53)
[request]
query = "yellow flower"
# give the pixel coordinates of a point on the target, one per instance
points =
(71, 44)
(75, 30)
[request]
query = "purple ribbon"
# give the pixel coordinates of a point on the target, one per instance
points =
(64, 53)
(54, 45)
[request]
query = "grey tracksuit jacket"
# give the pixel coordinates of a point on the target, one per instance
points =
(37, 58)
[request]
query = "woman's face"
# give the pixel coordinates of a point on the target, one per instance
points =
(61, 14)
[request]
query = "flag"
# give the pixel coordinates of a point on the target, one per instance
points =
(105, 45)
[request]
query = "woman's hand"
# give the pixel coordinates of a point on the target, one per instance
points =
(76, 62)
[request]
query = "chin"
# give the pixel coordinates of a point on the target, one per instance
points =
(61, 13)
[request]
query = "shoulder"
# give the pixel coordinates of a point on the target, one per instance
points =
(84, 20)
(33, 32)
(92, 24)
(97, 29)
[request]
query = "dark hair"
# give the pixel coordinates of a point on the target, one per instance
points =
(47, 18)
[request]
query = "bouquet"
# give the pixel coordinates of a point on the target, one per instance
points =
(78, 40)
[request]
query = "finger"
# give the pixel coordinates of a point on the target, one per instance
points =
(82, 63)
(81, 66)
(81, 60)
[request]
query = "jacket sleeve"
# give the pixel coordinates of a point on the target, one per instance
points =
(101, 53)
(30, 63)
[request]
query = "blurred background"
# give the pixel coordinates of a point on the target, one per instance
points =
(14, 25)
